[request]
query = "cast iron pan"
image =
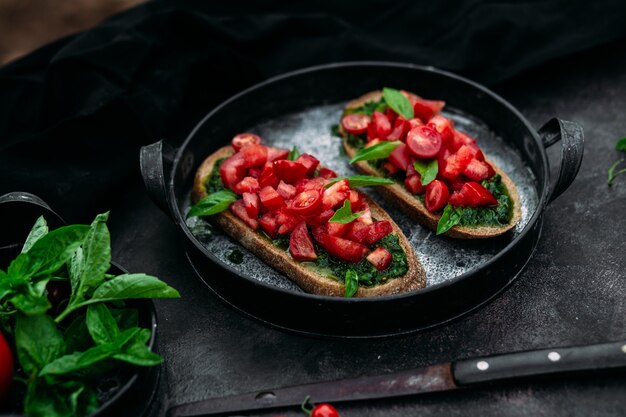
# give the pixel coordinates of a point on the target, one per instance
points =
(130, 393)
(300, 108)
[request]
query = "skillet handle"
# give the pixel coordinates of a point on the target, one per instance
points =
(155, 161)
(572, 148)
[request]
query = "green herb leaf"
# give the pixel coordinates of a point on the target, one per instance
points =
(427, 169)
(449, 218)
(361, 181)
(40, 228)
(352, 283)
(101, 324)
(344, 214)
(381, 150)
(69, 398)
(213, 204)
(133, 286)
(77, 337)
(621, 145)
(369, 107)
(398, 102)
(38, 341)
(136, 352)
(30, 303)
(294, 153)
(613, 174)
(95, 259)
(125, 317)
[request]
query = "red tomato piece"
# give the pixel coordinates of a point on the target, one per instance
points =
(319, 219)
(413, 123)
(269, 224)
(301, 245)
(335, 194)
(244, 139)
(477, 196)
(307, 203)
(357, 232)
(445, 127)
(457, 162)
(337, 229)
(232, 170)
(426, 109)
(424, 142)
(254, 155)
(456, 199)
(380, 258)
(397, 133)
(437, 195)
(275, 154)
(305, 184)
(268, 177)
(289, 171)
(6, 367)
(238, 208)
(366, 217)
(251, 203)
(309, 161)
(287, 221)
(255, 172)
(381, 124)
(286, 191)
(340, 248)
(478, 170)
(391, 115)
(324, 410)
(456, 184)
(247, 185)
(357, 202)
(377, 231)
(400, 157)
(271, 199)
(327, 173)
(461, 139)
(413, 184)
(372, 133)
(356, 123)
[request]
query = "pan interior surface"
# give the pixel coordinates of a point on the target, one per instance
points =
(311, 131)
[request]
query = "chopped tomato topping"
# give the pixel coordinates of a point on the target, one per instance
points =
(426, 109)
(286, 191)
(232, 170)
(413, 184)
(254, 155)
(473, 195)
(271, 199)
(372, 133)
(391, 115)
(287, 221)
(269, 224)
(377, 231)
(457, 162)
(335, 194)
(244, 139)
(309, 161)
(268, 177)
(357, 202)
(366, 217)
(320, 219)
(274, 154)
(247, 185)
(340, 248)
(251, 203)
(355, 123)
(478, 170)
(307, 203)
(301, 245)
(239, 210)
(327, 173)
(400, 156)
(337, 229)
(380, 258)
(289, 171)
(424, 142)
(437, 194)
(306, 184)
(445, 127)
(381, 124)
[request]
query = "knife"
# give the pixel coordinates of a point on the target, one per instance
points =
(440, 377)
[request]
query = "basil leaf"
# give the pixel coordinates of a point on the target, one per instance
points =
(126, 317)
(95, 259)
(381, 150)
(136, 352)
(40, 228)
(613, 174)
(294, 153)
(344, 214)
(427, 169)
(69, 398)
(361, 181)
(621, 145)
(28, 303)
(213, 204)
(133, 286)
(449, 218)
(77, 337)
(101, 324)
(38, 341)
(398, 102)
(352, 283)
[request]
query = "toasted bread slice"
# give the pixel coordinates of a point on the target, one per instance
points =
(414, 207)
(308, 279)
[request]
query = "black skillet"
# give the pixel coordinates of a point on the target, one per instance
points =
(129, 393)
(168, 175)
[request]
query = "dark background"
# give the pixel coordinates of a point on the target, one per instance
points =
(74, 114)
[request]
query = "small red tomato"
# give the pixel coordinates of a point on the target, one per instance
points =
(324, 410)
(356, 123)
(437, 195)
(6, 367)
(244, 139)
(424, 142)
(306, 203)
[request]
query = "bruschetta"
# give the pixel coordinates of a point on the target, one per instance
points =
(441, 176)
(299, 218)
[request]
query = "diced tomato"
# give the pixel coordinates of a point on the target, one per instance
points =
(423, 142)
(355, 123)
(377, 231)
(251, 203)
(372, 133)
(461, 139)
(366, 217)
(254, 155)
(456, 199)
(244, 139)
(247, 185)
(445, 127)
(381, 124)
(335, 194)
(478, 170)
(380, 258)
(289, 171)
(357, 231)
(274, 154)
(400, 157)
(306, 203)
(413, 123)
(357, 202)
(269, 224)
(457, 162)
(232, 170)
(306, 184)
(412, 97)
(340, 248)
(271, 199)
(437, 194)
(327, 173)
(286, 191)
(287, 221)
(319, 219)
(372, 143)
(337, 229)
(255, 171)
(397, 133)
(268, 177)
(413, 184)
(391, 115)
(456, 184)
(239, 210)
(477, 196)
(309, 161)
(426, 109)
(301, 245)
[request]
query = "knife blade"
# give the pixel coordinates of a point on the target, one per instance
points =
(440, 377)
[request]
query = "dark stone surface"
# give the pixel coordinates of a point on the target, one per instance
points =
(572, 292)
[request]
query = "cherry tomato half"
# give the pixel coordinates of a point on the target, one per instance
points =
(6, 367)
(424, 142)
(244, 139)
(324, 410)
(306, 203)
(355, 123)
(437, 195)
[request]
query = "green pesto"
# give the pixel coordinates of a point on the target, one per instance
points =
(213, 183)
(369, 108)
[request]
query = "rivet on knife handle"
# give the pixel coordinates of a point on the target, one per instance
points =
(540, 362)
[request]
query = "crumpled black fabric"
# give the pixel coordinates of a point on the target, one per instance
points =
(74, 113)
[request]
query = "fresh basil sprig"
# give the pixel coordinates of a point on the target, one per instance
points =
(344, 214)
(450, 217)
(427, 170)
(613, 173)
(381, 150)
(352, 283)
(213, 203)
(398, 102)
(361, 181)
(294, 153)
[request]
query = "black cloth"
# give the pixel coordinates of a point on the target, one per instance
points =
(74, 113)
